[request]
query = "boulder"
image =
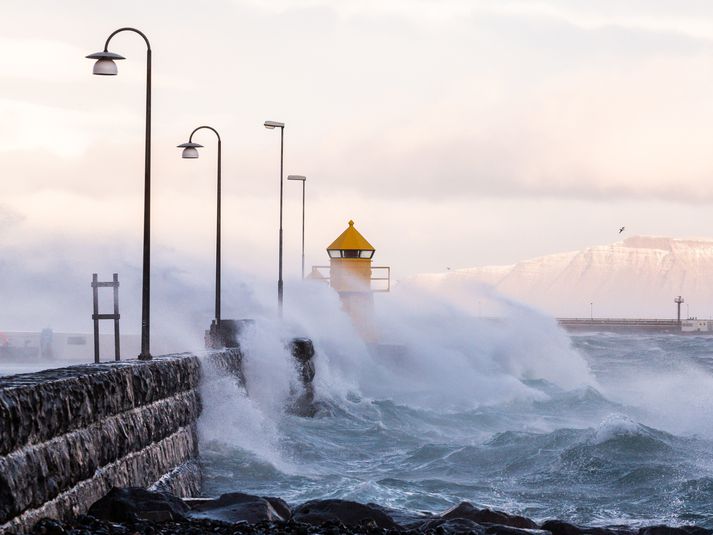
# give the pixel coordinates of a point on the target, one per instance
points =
(558, 527)
(127, 504)
(317, 512)
(453, 525)
(238, 507)
(487, 516)
(405, 519)
(498, 529)
(680, 530)
(280, 506)
(48, 526)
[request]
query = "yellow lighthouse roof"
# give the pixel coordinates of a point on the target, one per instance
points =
(351, 240)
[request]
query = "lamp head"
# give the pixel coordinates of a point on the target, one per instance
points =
(190, 150)
(270, 125)
(297, 177)
(104, 64)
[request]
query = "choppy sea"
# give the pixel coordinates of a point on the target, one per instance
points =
(632, 443)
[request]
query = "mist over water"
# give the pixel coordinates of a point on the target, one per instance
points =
(489, 401)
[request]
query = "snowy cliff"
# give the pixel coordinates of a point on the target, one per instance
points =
(637, 277)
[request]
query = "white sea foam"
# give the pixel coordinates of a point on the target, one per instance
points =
(615, 425)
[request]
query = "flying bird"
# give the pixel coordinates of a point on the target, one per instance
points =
(621, 230)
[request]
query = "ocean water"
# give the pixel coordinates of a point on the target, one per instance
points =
(512, 414)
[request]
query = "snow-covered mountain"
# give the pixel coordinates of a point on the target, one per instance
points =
(637, 277)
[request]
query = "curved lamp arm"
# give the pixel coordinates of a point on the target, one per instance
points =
(146, 39)
(190, 139)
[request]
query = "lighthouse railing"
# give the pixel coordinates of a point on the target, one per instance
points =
(382, 275)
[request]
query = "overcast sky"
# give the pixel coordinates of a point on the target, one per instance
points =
(455, 133)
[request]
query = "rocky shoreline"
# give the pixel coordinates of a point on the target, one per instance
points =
(132, 511)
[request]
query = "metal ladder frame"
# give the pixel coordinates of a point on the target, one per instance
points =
(96, 316)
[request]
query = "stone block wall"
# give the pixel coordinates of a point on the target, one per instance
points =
(68, 436)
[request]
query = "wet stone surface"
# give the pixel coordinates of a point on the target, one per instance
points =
(137, 511)
(37, 407)
(70, 434)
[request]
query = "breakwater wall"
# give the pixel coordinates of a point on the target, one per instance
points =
(67, 436)
(620, 325)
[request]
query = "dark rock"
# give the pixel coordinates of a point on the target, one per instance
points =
(681, 530)
(558, 527)
(122, 505)
(302, 350)
(155, 516)
(498, 529)
(405, 519)
(488, 516)
(454, 525)
(280, 506)
(318, 512)
(48, 526)
(237, 507)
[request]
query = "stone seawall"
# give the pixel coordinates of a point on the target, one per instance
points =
(68, 436)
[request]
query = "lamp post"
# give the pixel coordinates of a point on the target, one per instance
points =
(105, 66)
(303, 180)
(190, 151)
(271, 125)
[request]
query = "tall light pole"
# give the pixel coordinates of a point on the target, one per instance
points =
(303, 180)
(105, 66)
(591, 311)
(271, 125)
(190, 151)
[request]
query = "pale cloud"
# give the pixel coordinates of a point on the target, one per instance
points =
(446, 129)
(663, 16)
(37, 59)
(653, 16)
(53, 131)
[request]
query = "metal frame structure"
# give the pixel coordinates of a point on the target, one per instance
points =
(387, 278)
(115, 316)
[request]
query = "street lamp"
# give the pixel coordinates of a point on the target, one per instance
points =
(271, 125)
(303, 180)
(190, 151)
(105, 66)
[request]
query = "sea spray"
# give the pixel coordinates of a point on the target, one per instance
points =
(502, 409)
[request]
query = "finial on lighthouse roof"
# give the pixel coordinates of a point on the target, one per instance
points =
(351, 223)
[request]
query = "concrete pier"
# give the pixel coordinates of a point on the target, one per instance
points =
(70, 435)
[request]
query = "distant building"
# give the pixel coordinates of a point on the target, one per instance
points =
(47, 345)
(694, 325)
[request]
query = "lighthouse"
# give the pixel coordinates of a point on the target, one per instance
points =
(351, 274)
